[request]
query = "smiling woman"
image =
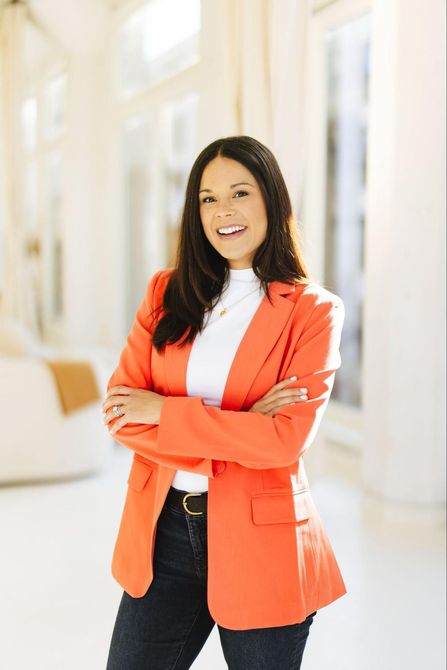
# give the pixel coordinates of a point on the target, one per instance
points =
(219, 391)
(234, 221)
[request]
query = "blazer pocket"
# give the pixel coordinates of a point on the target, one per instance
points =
(139, 475)
(281, 507)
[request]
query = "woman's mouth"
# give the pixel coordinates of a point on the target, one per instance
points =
(231, 232)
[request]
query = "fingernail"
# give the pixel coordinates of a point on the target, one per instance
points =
(294, 378)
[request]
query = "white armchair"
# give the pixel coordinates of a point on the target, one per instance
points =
(37, 440)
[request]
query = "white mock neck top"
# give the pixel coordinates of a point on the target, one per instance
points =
(213, 351)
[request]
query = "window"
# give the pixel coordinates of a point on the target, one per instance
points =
(54, 105)
(181, 125)
(347, 67)
(54, 233)
(156, 41)
(141, 230)
(29, 123)
(43, 121)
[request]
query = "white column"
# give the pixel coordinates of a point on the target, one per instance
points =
(83, 200)
(404, 319)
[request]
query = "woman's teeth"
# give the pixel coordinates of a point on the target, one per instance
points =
(232, 231)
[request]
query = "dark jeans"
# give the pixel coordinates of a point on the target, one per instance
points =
(167, 627)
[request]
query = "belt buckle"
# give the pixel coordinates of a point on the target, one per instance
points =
(184, 503)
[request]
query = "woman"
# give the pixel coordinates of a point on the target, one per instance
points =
(219, 391)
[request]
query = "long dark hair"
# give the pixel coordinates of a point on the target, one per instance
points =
(200, 272)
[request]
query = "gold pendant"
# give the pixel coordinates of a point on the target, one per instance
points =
(224, 311)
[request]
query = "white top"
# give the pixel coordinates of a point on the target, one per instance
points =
(213, 351)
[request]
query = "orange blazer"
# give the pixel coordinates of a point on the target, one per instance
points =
(270, 562)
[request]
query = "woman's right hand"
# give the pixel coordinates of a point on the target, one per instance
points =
(277, 397)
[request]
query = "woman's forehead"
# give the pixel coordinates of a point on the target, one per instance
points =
(225, 172)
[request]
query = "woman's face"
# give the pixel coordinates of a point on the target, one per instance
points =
(230, 196)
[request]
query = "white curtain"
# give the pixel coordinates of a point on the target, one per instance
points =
(266, 42)
(17, 296)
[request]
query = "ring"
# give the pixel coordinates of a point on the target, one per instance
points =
(116, 409)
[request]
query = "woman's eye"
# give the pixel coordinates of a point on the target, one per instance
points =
(208, 197)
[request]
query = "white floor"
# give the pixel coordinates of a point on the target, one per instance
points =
(58, 600)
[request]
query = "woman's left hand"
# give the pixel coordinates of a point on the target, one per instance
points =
(138, 405)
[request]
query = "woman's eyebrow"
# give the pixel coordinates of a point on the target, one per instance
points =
(240, 183)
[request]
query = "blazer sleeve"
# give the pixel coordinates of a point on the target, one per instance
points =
(134, 370)
(253, 439)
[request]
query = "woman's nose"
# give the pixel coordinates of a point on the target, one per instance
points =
(225, 210)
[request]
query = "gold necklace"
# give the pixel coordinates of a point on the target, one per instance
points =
(225, 309)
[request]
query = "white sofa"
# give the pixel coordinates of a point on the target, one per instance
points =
(37, 441)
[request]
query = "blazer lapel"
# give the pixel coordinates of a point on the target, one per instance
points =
(259, 339)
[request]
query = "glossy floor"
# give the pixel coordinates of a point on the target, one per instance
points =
(58, 600)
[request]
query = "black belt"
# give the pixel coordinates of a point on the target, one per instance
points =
(191, 503)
